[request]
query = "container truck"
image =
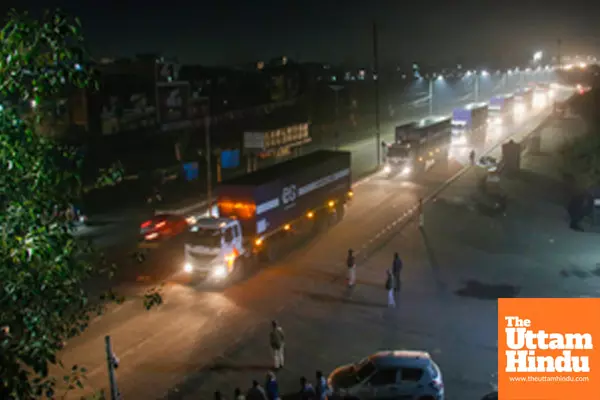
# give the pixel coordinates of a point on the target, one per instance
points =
(418, 146)
(467, 121)
(541, 96)
(263, 212)
(523, 102)
(501, 110)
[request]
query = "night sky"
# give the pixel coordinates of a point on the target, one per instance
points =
(480, 33)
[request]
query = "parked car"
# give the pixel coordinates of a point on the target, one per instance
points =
(400, 374)
(163, 226)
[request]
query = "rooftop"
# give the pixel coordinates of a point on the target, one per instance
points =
(401, 358)
(273, 172)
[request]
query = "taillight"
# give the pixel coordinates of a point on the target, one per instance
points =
(161, 224)
(146, 224)
(437, 385)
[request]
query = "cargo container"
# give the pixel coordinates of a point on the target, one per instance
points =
(418, 146)
(467, 121)
(262, 211)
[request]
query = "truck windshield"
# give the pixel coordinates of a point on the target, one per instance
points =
(400, 152)
(204, 237)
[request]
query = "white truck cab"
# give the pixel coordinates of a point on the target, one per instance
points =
(213, 247)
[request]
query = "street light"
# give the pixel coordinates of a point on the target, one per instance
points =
(537, 56)
(439, 78)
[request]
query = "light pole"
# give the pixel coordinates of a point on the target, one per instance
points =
(336, 89)
(208, 160)
(478, 76)
(431, 82)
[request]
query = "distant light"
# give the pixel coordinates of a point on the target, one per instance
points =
(468, 73)
(33, 104)
(538, 56)
(509, 72)
(78, 67)
(528, 70)
(484, 73)
(1, 108)
(582, 65)
(440, 78)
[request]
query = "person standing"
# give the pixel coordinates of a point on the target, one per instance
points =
(322, 389)
(351, 264)
(277, 342)
(237, 394)
(272, 387)
(307, 392)
(396, 269)
(389, 286)
(256, 392)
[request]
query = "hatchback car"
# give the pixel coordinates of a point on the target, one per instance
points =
(163, 226)
(403, 374)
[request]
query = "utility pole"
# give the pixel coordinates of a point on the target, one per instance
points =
(376, 77)
(477, 78)
(112, 364)
(430, 97)
(559, 56)
(208, 160)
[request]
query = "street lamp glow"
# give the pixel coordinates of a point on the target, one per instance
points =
(440, 78)
(468, 73)
(484, 73)
(509, 72)
(538, 56)
(33, 104)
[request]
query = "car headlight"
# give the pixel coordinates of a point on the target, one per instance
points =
(387, 169)
(188, 268)
(219, 271)
(406, 171)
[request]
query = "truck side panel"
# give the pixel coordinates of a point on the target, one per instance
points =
(294, 192)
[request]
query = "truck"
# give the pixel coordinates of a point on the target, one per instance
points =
(501, 110)
(467, 122)
(418, 146)
(262, 213)
(523, 102)
(541, 95)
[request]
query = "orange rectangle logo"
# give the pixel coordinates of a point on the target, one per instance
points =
(547, 349)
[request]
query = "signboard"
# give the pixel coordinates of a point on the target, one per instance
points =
(254, 140)
(230, 158)
(173, 100)
(190, 171)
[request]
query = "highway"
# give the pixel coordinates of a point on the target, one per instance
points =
(118, 231)
(160, 348)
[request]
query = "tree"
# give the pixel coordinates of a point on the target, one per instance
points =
(42, 269)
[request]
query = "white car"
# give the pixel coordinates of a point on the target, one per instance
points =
(402, 374)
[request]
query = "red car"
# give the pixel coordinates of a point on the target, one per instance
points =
(163, 226)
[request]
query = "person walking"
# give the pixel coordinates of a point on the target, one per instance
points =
(351, 264)
(272, 387)
(277, 342)
(389, 286)
(256, 392)
(396, 269)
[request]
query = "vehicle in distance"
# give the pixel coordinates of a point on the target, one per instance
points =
(523, 102)
(501, 110)
(264, 212)
(467, 121)
(162, 226)
(400, 374)
(418, 146)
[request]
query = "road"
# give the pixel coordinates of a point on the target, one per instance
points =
(119, 230)
(161, 347)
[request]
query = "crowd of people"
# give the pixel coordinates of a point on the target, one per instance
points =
(270, 390)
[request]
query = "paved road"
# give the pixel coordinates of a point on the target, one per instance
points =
(119, 230)
(195, 325)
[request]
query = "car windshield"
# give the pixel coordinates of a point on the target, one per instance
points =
(363, 370)
(401, 152)
(204, 237)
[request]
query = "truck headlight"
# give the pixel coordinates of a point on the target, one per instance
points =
(219, 271)
(387, 169)
(188, 268)
(406, 171)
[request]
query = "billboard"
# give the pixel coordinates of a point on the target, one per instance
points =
(173, 104)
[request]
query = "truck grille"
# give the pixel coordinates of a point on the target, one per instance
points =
(202, 258)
